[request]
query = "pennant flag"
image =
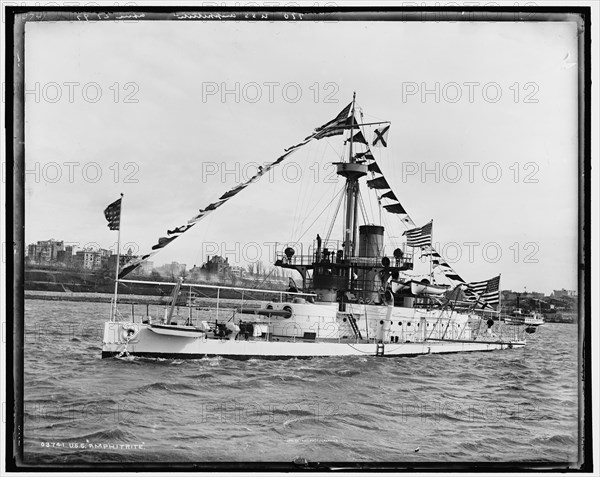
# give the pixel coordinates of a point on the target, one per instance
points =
(455, 277)
(420, 236)
(440, 264)
(233, 191)
(179, 230)
(215, 205)
(486, 291)
(367, 155)
(358, 137)
(373, 167)
(113, 214)
(395, 208)
(389, 195)
(378, 183)
(380, 138)
(427, 251)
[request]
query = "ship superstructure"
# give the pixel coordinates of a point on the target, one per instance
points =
(356, 297)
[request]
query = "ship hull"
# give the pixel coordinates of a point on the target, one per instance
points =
(149, 344)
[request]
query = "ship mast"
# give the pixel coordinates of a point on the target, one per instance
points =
(351, 194)
(352, 171)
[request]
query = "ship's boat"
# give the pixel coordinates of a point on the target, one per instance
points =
(355, 298)
(419, 288)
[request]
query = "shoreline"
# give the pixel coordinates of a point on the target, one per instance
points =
(94, 297)
(203, 302)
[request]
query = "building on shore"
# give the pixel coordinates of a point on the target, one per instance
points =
(45, 251)
(564, 293)
(217, 265)
(90, 259)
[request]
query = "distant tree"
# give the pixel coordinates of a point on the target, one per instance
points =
(260, 268)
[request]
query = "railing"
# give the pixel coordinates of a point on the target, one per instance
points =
(218, 287)
(331, 251)
(238, 293)
(336, 259)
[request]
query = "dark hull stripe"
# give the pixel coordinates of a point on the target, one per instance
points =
(110, 354)
(191, 330)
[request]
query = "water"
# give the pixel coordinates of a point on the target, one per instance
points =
(513, 405)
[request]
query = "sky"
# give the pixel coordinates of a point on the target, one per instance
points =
(483, 137)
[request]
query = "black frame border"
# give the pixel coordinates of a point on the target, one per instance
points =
(16, 17)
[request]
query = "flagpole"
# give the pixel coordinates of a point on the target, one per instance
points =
(114, 307)
(499, 296)
(430, 262)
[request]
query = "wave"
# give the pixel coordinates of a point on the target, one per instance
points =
(556, 439)
(112, 435)
(177, 388)
(347, 372)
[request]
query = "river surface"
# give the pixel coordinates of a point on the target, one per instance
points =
(513, 405)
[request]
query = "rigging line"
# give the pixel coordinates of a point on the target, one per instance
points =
(265, 279)
(308, 191)
(296, 215)
(369, 198)
(336, 182)
(308, 172)
(304, 194)
(363, 210)
(338, 154)
(387, 227)
(334, 219)
(361, 204)
(377, 119)
(314, 207)
(322, 212)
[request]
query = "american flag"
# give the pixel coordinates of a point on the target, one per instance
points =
(340, 118)
(486, 292)
(113, 215)
(419, 237)
(336, 126)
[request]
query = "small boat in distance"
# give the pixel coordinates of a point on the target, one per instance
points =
(531, 320)
(356, 299)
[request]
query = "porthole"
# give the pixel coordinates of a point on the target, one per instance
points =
(344, 320)
(400, 323)
(381, 322)
(409, 323)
